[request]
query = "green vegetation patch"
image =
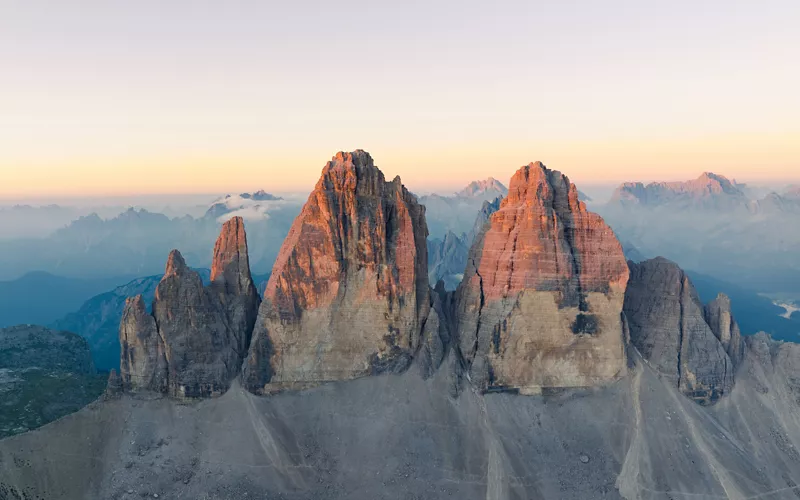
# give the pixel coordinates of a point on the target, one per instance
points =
(32, 398)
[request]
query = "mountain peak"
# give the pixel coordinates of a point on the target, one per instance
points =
(175, 264)
(489, 186)
(536, 184)
(709, 190)
(353, 267)
(542, 251)
(231, 250)
(193, 342)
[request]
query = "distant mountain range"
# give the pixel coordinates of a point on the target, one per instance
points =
(134, 242)
(708, 192)
(41, 298)
(456, 212)
(712, 225)
(26, 221)
(254, 206)
(488, 188)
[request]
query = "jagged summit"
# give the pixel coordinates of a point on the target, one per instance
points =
(487, 187)
(231, 279)
(231, 263)
(193, 343)
(668, 326)
(542, 294)
(175, 263)
(719, 317)
(709, 190)
(349, 287)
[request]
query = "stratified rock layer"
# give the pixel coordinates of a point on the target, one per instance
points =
(541, 301)
(193, 343)
(668, 328)
(349, 294)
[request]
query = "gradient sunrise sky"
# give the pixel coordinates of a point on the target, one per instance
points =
(119, 97)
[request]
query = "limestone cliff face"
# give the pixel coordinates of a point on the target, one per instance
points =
(719, 317)
(233, 283)
(348, 294)
(193, 343)
(199, 345)
(143, 364)
(669, 329)
(776, 358)
(541, 301)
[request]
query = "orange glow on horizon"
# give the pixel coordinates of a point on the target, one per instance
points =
(751, 158)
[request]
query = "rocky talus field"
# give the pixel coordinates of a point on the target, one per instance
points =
(555, 370)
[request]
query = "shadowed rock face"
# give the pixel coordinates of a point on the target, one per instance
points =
(231, 279)
(718, 316)
(143, 363)
(668, 327)
(540, 305)
(349, 294)
(200, 346)
(193, 343)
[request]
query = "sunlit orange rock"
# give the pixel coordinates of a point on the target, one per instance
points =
(348, 294)
(541, 301)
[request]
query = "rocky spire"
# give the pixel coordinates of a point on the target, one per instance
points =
(193, 343)
(231, 279)
(668, 328)
(348, 294)
(114, 387)
(719, 317)
(542, 294)
(175, 264)
(143, 365)
(199, 345)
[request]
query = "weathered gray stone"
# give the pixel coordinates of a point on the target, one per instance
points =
(193, 343)
(668, 328)
(143, 362)
(719, 317)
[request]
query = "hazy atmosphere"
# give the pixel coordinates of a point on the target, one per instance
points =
(128, 98)
(416, 250)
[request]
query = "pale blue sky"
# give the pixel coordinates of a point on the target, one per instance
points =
(106, 97)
